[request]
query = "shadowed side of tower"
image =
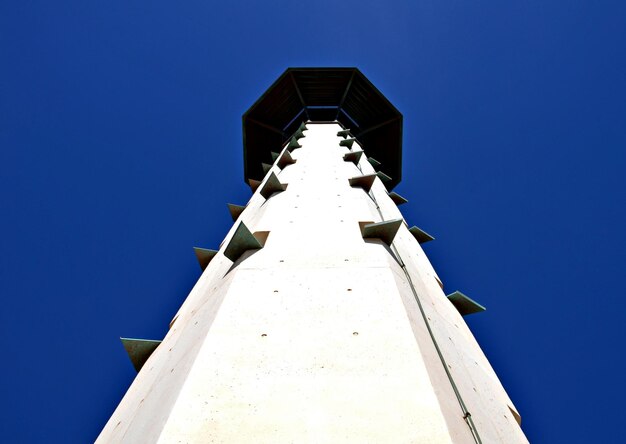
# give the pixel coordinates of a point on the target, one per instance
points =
(319, 319)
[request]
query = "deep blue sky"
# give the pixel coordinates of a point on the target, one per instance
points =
(120, 145)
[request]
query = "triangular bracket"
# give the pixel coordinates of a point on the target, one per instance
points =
(375, 163)
(343, 133)
(347, 142)
(420, 235)
(285, 160)
(235, 210)
(272, 185)
(293, 144)
(299, 134)
(243, 240)
(353, 156)
(385, 230)
(204, 256)
(254, 184)
(397, 199)
(382, 176)
(366, 181)
(139, 350)
(266, 167)
(464, 304)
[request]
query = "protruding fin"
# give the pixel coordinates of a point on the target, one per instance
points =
(298, 134)
(235, 210)
(293, 144)
(438, 281)
(266, 167)
(347, 142)
(420, 235)
(139, 350)
(385, 231)
(204, 256)
(383, 177)
(343, 133)
(397, 199)
(285, 160)
(254, 184)
(353, 156)
(375, 163)
(242, 241)
(464, 304)
(272, 185)
(274, 156)
(364, 182)
(302, 126)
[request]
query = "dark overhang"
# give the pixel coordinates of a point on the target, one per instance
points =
(323, 94)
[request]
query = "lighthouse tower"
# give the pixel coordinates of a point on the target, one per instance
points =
(319, 319)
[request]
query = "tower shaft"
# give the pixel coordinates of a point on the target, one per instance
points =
(336, 330)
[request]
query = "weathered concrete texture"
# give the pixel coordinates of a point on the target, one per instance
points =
(318, 336)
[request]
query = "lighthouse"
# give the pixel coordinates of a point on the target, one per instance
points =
(319, 319)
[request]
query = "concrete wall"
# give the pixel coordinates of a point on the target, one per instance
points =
(318, 337)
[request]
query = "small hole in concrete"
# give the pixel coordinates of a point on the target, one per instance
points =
(345, 260)
(281, 260)
(275, 291)
(355, 333)
(263, 335)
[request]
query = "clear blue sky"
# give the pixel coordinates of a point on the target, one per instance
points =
(120, 145)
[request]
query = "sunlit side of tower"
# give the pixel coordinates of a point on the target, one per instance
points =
(319, 319)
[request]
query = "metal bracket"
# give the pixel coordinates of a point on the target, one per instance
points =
(285, 160)
(139, 350)
(385, 231)
(204, 256)
(397, 199)
(243, 240)
(420, 235)
(343, 133)
(382, 176)
(366, 181)
(272, 185)
(464, 304)
(235, 210)
(293, 144)
(254, 184)
(347, 142)
(375, 163)
(353, 156)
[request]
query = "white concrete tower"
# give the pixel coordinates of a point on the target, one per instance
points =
(319, 319)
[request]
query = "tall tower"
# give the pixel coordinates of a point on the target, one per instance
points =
(319, 319)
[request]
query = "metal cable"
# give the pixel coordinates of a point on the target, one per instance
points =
(467, 417)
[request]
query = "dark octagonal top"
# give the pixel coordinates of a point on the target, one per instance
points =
(323, 94)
